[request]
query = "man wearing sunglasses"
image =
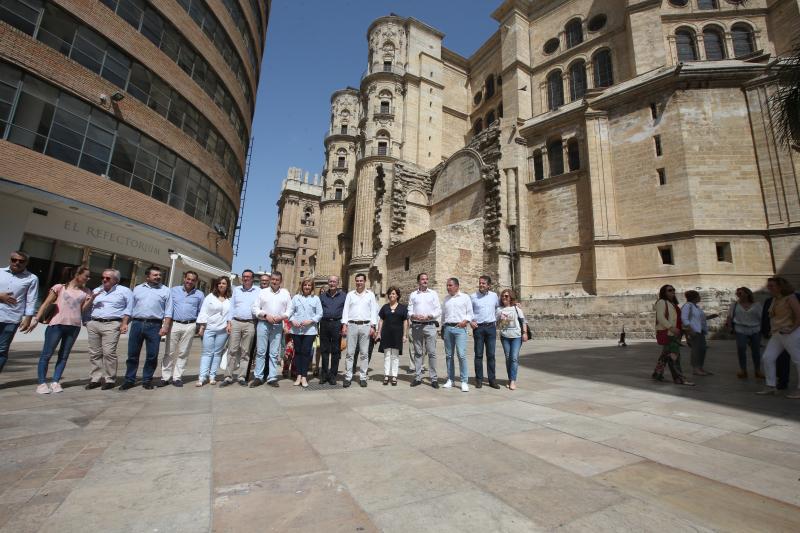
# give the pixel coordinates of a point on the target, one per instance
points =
(111, 306)
(18, 291)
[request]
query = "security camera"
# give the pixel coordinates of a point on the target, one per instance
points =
(117, 96)
(221, 231)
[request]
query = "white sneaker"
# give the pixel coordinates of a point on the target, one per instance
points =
(448, 385)
(43, 388)
(56, 387)
(464, 387)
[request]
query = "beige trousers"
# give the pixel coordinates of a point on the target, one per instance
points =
(239, 343)
(180, 343)
(103, 339)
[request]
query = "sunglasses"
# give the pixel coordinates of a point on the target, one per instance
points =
(14, 260)
(107, 278)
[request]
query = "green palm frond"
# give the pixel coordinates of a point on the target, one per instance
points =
(785, 102)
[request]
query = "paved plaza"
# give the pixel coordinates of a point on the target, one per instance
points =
(587, 443)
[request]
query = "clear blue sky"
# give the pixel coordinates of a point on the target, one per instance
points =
(315, 47)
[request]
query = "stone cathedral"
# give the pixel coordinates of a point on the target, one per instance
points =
(587, 153)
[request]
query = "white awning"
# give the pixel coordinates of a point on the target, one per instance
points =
(196, 265)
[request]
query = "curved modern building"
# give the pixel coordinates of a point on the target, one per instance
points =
(124, 129)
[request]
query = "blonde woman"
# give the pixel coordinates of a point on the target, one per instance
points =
(307, 314)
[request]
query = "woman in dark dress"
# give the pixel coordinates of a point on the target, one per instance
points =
(392, 333)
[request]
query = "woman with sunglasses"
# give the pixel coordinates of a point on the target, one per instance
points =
(511, 322)
(71, 298)
(668, 334)
(215, 313)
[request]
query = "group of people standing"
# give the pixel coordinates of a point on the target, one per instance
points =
(777, 319)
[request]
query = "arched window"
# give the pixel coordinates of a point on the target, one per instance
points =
(478, 127)
(489, 86)
(744, 42)
(706, 4)
(714, 43)
(573, 154)
(577, 80)
(338, 189)
(490, 118)
(555, 155)
(603, 69)
(308, 212)
(685, 45)
(555, 90)
(383, 142)
(573, 32)
(538, 165)
(386, 107)
(341, 158)
(344, 129)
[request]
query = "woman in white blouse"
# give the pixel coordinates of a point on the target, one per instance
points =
(744, 319)
(213, 320)
(510, 323)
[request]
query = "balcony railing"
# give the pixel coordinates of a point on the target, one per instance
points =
(383, 112)
(352, 131)
(385, 151)
(388, 69)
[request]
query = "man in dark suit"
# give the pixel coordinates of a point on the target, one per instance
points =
(783, 365)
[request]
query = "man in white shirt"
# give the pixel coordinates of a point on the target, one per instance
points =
(272, 306)
(18, 292)
(359, 320)
(456, 314)
(242, 329)
(424, 311)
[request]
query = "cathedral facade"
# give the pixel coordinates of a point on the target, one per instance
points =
(587, 153)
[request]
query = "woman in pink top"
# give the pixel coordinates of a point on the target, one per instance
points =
(71, 298)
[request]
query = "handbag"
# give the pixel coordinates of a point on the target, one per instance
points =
(223, 362)
(523, 326)
(662, 335)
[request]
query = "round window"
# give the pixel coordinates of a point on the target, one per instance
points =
(551, 46)
(597, 22)
(679, 3)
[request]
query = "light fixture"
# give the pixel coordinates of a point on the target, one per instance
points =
(103, 98)
(117, 96)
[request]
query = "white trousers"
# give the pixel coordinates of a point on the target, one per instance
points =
(776, 345)
(391, 361)
(180, 343)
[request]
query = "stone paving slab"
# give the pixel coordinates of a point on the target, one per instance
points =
(587, 443)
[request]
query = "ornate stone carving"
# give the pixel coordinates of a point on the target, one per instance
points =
(407, 178)
(380, 190)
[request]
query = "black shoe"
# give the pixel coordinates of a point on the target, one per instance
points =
(346, 383)
(435, 384)
(92, 385)
(127, 385)
(148, 385)
(332, 379)
(416, 382)
(493, 384)
(225, 382)
(255, 383)
(658, 377)
(273, 383)
(107, 386)
(478, 383)
(177, 383)
(243, 383)
(363, 383)
(163, 383)
(323, 380)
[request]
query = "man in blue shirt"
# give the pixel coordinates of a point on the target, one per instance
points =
(111, 306)
(330, 330)
(152, 308)
(484, 330)
(18, 291)
(242, 330)
(186, 303)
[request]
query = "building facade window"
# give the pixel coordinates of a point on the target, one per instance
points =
(577, 80)
(538, 165)
(724, 254)
(490, 118)
(555, 90)
(574, 33)
(47, 120)
(477, 127)
(489, 86)
(665, 253)
(573, 155)
(714, 43)
(744, 42)
(603, 69)
(555, 155)
(685, 45)
(706, 4)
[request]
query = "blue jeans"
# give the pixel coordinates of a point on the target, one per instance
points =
(66, 335)
(742, 341)
(213, 345)
(143, 333)
(511, 348)
(268, 340)
(456, 338)
(7, 331)
(303, 352)
(484, 337)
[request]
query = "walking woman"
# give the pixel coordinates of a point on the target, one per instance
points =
(71, 299)
(784, 317)
(744, 319)
(668, 335)
(307, 313)
(213, 320)
(392, 333)
(511, 322)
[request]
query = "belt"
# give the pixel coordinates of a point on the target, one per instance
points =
(106, 319)
(149, 320)
(332, 319)
(184, 321)
(358, 322)
(423, 323)
(243, 319)
(481, 324)
(451, 324)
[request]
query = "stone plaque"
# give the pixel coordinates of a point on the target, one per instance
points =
(461, 171)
